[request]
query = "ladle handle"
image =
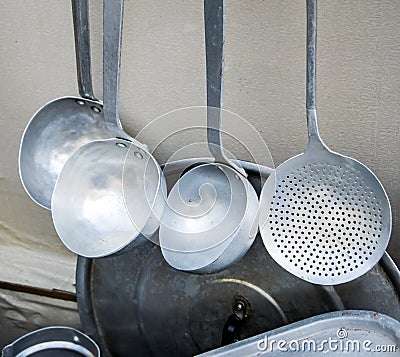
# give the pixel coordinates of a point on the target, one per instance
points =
(214, 26)
(80, 16)
(112, 41)
(311, 109)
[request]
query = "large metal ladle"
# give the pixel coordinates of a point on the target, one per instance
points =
(211, 220)
(63, 125)
(88, 206)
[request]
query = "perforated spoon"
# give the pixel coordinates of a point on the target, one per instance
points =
(324, 217)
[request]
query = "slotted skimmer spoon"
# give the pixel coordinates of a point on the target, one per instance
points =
(324, 217)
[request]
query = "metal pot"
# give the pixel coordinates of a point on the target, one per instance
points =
(152, 296)
(53, 341)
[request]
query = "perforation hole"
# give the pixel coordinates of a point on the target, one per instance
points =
(332, 215)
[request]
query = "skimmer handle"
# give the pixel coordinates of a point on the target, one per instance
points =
(311, 109)
(112, 41)
(214, 26)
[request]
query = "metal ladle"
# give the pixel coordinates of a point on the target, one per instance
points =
(88, 206)
(63, 125)
(211, 220)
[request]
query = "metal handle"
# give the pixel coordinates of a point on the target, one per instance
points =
(232, 329)
(311, 110)
(214, 26)
(112, 40)
(80, 16)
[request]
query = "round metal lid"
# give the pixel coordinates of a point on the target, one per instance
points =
(137, 302)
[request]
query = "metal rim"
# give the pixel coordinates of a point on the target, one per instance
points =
(37, 342)
(153, 203)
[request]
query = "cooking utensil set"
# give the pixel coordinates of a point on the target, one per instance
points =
(323, 217)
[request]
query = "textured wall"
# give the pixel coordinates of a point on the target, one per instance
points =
(163, 70)
(22, 313)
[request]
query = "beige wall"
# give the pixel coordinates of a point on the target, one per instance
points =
(163, 70)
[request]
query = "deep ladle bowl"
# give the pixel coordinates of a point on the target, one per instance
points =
(88, 204)
(212, 211)
(63, 125)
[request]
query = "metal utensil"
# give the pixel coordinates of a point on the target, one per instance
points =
(53, 341)
(324, 217)
(211, 220)
(88, 206)
(63, 125)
